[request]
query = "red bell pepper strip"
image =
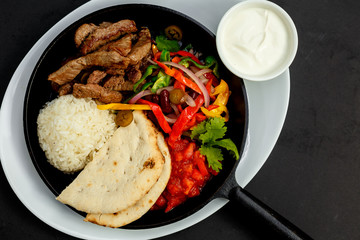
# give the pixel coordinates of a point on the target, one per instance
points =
(157, 56)
(208, 88)
(179, 77)
(211, 76)
(200, 117)
(190, 124)
(176, 59)
(212, 106)
(158, 114)
(180, 85)
(186, 54)
(185, 117)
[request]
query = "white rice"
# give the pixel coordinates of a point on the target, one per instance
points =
(71, 129)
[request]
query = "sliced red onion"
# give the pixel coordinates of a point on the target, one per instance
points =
(152, 62)
(196, 80)
(170, 118)
(189, 100)
(202, 72)
(194, 69)
(140, 95)
(204, 80)
(176, 110)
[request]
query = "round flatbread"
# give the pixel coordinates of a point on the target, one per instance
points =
(134, 212)
(121, 172)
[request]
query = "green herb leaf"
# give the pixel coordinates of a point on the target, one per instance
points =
(163, 43)
(229, 145)
(215, 129)
(210, 132)
(198, 130)
(213, 157)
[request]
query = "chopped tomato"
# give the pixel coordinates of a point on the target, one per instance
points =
(189, 175)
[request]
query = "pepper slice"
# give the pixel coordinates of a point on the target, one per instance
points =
(186, 54)
(158, 114)
(149, 70)
(185, 117)
(223, 93)
(122, 106)
(179, 77)
(209, 62)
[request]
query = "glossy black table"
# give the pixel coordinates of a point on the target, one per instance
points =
(312, 175)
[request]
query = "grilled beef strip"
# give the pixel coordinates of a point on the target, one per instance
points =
(82, 32)
(110, 96)
(102, 36)
(134, 74)
(141, 48)
(96, 76)
(118, 83)
(91, 90)
(115, 71)
(72, 68)
(122, 46)
(65, 89)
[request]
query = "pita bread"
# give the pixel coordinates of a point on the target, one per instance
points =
(121, 172)
(134, 212)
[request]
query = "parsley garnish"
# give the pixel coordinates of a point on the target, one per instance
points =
(210, 133)
(163, 43)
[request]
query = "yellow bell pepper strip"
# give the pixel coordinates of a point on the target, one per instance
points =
(221, 88)
(179, 77)
(158, 114)
(123, 106)
(223, 93)
(185, 117)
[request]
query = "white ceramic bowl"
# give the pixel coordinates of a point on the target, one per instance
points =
(251, 25)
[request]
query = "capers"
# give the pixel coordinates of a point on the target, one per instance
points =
(177, 96)
(173, 32)
(123, 118)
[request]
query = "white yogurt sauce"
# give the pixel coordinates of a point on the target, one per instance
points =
(255, 41)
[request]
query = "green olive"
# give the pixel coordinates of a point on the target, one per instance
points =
(177, 96)
(124, 118)
(173, 32)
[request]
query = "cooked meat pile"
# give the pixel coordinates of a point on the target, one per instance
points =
(112, 57)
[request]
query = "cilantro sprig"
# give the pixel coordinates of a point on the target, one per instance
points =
(210, 133)
(165, 44)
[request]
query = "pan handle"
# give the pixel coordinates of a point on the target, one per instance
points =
(272, 218)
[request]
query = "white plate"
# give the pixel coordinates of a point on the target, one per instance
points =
(268, 102)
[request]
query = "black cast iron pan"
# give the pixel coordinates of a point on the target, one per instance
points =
(156, 19)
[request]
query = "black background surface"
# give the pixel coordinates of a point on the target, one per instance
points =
(312, 175)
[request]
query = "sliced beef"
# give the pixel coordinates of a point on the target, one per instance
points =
(65, 89)
(102, 36)
(110, 96)
(96, 77)
(72, 68)
(141, 48)
(87, 90)
(82, 32)
(122, 46)
(115, 71)
(118, 83)
(96, 91)
(134, 74)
